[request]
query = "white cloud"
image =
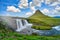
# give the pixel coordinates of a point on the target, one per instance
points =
(54, 4)
(57, 8)
(23, 4)
(59, 0)
(55, 13)
(32, 7)
(52, 13)
(47, 1)
(42, 1)
(13, 9)
(37, 2)
(45, 11)
(28, 14)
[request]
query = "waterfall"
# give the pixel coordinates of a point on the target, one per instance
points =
(19, 24)
(27, 24)
(22, 24)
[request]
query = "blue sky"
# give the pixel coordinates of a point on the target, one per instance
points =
(26, 8)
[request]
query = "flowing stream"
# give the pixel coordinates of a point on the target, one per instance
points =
(54, 31)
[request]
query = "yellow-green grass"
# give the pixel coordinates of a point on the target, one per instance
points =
(42, 27)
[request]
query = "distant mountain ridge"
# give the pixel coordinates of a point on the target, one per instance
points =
(57, 17)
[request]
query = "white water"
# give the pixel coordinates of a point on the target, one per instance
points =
(57, 28)
(20, 25)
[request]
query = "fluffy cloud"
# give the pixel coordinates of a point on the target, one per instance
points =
(47, 1)
(57, 8)
(42, 1)
(52, 2)
(38, 2)
(45, 11)
(52, 13)
(28, 14)
(35, 3)
(32, 7)
(13, 9)
(55, 13)
(23, 4)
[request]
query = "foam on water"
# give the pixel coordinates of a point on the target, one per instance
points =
(57, 28)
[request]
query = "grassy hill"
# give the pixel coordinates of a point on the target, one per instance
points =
(41, 21)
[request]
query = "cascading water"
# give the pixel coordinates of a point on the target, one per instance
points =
(27, 24)
(20, 25)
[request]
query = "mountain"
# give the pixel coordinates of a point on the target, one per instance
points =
(57, 16)
(41, 21)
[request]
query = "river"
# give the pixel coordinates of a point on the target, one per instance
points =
(54, 31)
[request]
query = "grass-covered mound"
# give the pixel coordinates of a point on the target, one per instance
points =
(8, 34)
(41, 21)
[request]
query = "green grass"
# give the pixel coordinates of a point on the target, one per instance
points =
(16, 36)
(10, 35)
(42, 27)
